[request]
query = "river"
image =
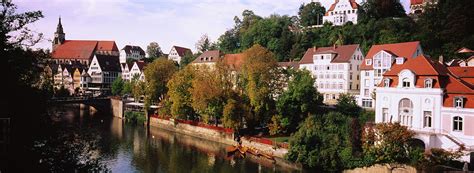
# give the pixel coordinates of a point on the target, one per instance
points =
(125, 147)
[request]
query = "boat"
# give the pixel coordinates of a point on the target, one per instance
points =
(232, 150)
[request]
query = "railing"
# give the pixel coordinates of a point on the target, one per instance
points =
(62, 99)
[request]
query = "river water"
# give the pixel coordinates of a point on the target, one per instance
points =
(125, 147)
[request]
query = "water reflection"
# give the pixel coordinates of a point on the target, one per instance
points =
(124, 147)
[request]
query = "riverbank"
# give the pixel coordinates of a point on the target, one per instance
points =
(224, 137)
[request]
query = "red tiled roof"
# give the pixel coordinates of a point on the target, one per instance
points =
(141, 65)
(420, 65)
(462, 72)
(208, 56)
(353, 3)
(464, 50)
(234, 60)
(406, 50)
(416, 2)
(182, 50)
(344, 53)
(293, 64)
(82, 49)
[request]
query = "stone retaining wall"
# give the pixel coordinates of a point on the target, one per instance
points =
(117, 107)
(387, 168)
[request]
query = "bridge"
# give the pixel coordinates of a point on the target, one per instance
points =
(99, 103)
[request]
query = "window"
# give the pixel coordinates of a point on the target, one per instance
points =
(350, 76)
(366, 92)
(339, 76)
(457, 123)
(367, 103)
(350, 85)
(357, 77)
(429, 83)
(386, 82)
(341, 85)
(368, 62)
(406, 83)
(405, 112)
(458, 102)
(350, 66)
(427, 118)
(385, 117)
(367, 73)
(367, 83)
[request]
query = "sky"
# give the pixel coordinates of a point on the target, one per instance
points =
(139, 22)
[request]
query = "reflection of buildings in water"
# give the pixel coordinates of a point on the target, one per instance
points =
(211, 159)
(117, 128)
(232, 162)
(136, 142)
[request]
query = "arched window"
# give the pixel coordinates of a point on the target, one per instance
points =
(427, 118)
(405, 112)
(386, 82)
(457, 123)
(429, 83)
(406, 83)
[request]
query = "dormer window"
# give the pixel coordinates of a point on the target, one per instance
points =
(406, 83)
(386, 82)
(429, 83)
(458, 102)
(368, 62)
(400, 60)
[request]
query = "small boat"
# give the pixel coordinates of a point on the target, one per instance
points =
(231, 149)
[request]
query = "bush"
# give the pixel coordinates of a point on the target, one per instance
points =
(135, 117)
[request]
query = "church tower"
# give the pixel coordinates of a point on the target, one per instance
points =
(59, 35)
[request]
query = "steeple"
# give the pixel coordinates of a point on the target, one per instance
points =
(59, 35)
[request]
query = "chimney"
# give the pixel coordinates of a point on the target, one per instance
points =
(441, 59)
(314, 48)
(334, 46)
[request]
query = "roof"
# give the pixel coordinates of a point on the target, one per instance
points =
(182, 50)
(420, 65)
(129, 48)
(109, 63)
(406, 49)
(353, 3)
(208, 56)
(141, 65)
(462, 72)
(82, 49)
(416, 2)
(344, 53)
(293, 64)
(234, 60)
(464, 50)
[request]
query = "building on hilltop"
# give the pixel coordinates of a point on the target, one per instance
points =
(82, 51)
(341, 12)
(131, 52)
(435, 101)
(336, 69)
(209, 58)
(177, 53)
(380, 59)
(417, 6)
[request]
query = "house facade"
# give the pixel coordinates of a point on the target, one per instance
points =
(417, 6)
(131, 52)
(336, 70)
(103, 70)
(208, 58)
(177, 53)
(379, 59)
(138, 70)
(341, 12)
(435, 101)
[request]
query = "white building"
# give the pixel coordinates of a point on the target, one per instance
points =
(131, 52)
(103, 70)
(435, 101)
(137, 70)
(177, 53)
(125, 67)
(379, 59)
(336, 69)
(341, 12)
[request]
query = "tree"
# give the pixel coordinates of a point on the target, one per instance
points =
(188, 58)
(234, 110)
(117, 86)
(378, 9)
(322, 143)
(127, 88)
(154, 50)
(347, 105)
(389, 143)
(311, 14)
(203, 44)
(179, 93)
(157, 75)
(259, 71)
(299, 100)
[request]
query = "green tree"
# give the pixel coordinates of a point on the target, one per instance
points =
(322, 143)
(378, 9)
(154, 50)
(187, 59)
(347, 105)
(117, 86)
(259, 71)
(234, 111)
(127, 88)
(157, 75)
(179, 93)
(203, 44)
(311, 14)
(299, 100)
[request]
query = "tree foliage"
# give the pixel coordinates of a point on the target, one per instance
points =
(347, 105)
(157, 75)
(117, 86)
(187, 59)
(311, 14)
(378, 9)
(154, 50)
(179, 93)
(259, 71)
(299, 100)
